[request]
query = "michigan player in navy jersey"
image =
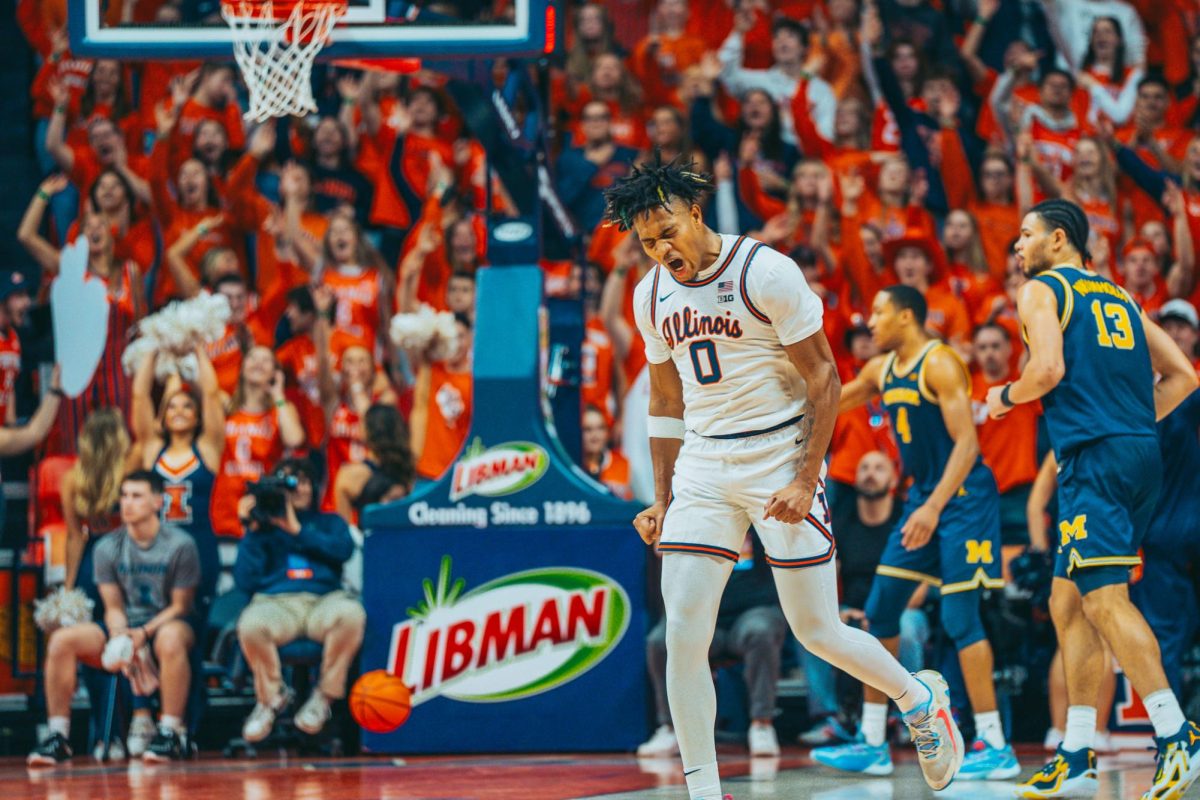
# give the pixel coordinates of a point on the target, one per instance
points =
(1093, 356)
(743, 395)
(949, 534)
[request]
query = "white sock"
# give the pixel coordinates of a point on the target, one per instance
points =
(1165, 714)
(874, 723)
(171, 723)
(915, 694)
(60, 725)
(703, 782)
(1081, 727)
(989, 729)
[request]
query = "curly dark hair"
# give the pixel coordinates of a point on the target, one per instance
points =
(653, 185)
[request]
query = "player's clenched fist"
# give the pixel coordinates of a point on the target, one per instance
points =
(790, 504)
(649, 523)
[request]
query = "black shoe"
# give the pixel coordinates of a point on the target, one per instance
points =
(52, 750)
(167, 745)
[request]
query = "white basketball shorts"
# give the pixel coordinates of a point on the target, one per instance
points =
(721, 488)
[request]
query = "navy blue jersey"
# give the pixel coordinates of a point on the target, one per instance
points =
(187, 494)
(1177, 517)
(921, 433)
(1108, 387)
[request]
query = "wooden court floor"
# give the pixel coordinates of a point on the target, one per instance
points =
(530, 777)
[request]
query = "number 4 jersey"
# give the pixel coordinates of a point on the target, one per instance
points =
(1108, 387)
(726, 331)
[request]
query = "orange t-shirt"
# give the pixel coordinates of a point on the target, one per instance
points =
(948, 316)
(345, 446)
(226, 357)
(190, 117)
(658, 62)
(297, 358)
(975, 290)
(614, 473)
(596, 369)
(357, 314)
(252, 446)
(1009, 444)
(447, 421)
(856, 433)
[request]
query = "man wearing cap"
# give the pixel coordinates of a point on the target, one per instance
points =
(919, 262)
(1179, 319)
(1139, 268)
(14, 306)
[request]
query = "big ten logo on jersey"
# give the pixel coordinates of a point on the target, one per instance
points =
(979, 551)
(725, 291)
(177, 503)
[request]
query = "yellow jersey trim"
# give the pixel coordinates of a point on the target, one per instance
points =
(979, 580)
(1076, 561)
(1064, 313)
(918, 360)
(888, 366)
(908, 575)
(926, 392)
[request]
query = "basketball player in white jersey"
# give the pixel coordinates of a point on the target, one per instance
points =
(743, 397)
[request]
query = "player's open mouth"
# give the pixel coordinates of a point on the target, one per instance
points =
(676, 265)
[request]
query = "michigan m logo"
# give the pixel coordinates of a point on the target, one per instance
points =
(979, 552)
(1075, 529)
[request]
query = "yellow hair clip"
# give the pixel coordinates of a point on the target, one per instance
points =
(661, 196)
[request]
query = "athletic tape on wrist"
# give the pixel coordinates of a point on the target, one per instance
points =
(665, 427)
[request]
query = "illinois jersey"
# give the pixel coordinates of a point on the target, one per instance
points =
(726, 331)
(743, 398)
(252, 446)
(345, 446)
(187, 495)
(356, 315)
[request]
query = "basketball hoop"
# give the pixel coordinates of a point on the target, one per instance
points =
(275, 43)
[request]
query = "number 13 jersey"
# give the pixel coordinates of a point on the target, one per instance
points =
(1108, 385)
(725, 331)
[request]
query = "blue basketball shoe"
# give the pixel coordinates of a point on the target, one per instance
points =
(859, 757)
(1069, 774)
(986, 763)
(1178, 764)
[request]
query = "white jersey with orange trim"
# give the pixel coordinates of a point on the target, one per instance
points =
(726, 330)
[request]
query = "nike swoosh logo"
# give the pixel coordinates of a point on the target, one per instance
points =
(799, 440)
(691, 771)
(663, 299)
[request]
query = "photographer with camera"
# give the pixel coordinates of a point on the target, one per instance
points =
(290, 563)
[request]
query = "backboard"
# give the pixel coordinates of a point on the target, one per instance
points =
(370, 29)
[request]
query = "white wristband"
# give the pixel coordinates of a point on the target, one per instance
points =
(665, 427)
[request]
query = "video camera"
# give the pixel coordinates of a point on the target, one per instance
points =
(270, 498)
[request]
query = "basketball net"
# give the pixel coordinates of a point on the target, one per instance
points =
(275, 44)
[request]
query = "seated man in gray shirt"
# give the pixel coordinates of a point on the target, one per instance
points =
(147, 574)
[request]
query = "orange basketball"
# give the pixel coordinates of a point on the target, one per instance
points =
(380, 702)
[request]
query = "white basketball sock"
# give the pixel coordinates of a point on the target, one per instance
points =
(60, 725)
(1165, 714)
(874, 723)
(915, 694)
(703, 782)
(1081, 727)
(989, 728)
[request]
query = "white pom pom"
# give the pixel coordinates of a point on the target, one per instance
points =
(62, 608)
(117, 653)
(174, 332)
(426, 330)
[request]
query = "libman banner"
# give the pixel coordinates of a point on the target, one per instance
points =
(511, 638)
(498, 470)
